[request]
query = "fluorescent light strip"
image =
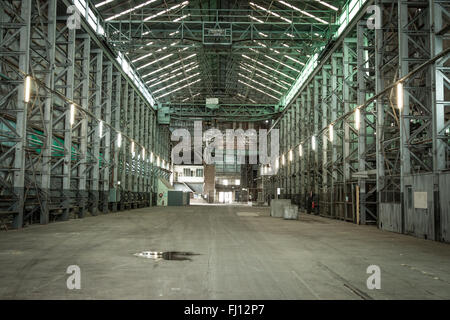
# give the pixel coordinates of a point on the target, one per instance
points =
(181, 18)
(129, 10)
(177, 82)
(295, 60)
(303, 12)
(183, 4)
(174, 76)
(247, 98)
(267, 74)
(263, 85)
(261, 44)
(155, 61)
(274, 70)
(177, 89)
(148, 44)
(174, 70)
(195, 95)
(260, 76)
(143, 57)
(263, 34)
(270, 12)
(168, 66)
(275, 60)
(262, 91)
(327, 5)
(256, 19)
(274, 50)
(101, 4)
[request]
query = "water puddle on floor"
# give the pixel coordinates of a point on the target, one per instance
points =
(170, 255)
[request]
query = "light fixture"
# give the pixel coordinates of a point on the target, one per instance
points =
(357, 118)
(119, 140)
(129, 10)
(143, 154)
(132, 148)
(303, 12)
(263, 85)
(277, 164)
(27, 91)
(256, 19)
(168, 66)
(313, 143)
(268, 67)
(265, 73)
(331, 132)
(179, 88)
(151, 157)
(154, 61)
(237, 182)
(400, 96)
(181, 18)
(290, 155)
(327, 5)
(185, 3)
(157, 161)
(270, 12)
(164, 79)
(100, 129)
(283, 160)
(72, 114)
(300, 150)
(257, 89)
(176, 82)
(295, 60)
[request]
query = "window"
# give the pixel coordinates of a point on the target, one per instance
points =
(199, 173)
(187, 172)
(238, 182)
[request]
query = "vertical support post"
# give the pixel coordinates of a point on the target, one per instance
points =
(48, 115)
(117, 116)
(68, 191)
(84, 125)
(107, 85)
(97, 142)
(21, 114)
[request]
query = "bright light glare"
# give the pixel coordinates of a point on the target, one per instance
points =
(72, 114)
(400, 96)
(303, 12)
(100, 129)
(357, 118)
(27, 92)
(119, 140)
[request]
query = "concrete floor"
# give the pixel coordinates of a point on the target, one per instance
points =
(241, 257)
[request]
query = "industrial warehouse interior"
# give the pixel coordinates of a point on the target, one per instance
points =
(224, 150)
